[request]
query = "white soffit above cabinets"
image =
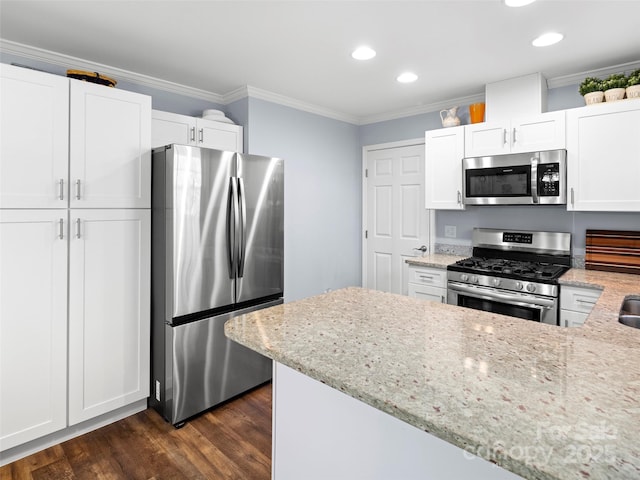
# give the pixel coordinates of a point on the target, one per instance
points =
(299, 52)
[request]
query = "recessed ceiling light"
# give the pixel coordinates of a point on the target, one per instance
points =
(363, 53)
(517, 3)
(547, 39)
(407, 77)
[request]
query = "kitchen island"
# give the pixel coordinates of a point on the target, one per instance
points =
(540, 401)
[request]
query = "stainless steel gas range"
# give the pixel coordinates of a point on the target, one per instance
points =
(512, 272)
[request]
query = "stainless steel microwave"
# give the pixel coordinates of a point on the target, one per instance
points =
(537, 178)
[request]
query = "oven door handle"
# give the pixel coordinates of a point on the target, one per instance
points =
(490, 294)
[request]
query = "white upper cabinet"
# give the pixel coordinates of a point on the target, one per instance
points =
(603, 157)
(34, 133)
(520, 135)
(444, 151)
(110, 147)
(170, 128)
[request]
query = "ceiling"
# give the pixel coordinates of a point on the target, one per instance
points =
(301, 49)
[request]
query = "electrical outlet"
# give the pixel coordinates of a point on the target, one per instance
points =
(450, 231)
(157, 390)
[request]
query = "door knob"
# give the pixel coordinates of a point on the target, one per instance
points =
(423, 248)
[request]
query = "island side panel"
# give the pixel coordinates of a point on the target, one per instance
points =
(320, 432)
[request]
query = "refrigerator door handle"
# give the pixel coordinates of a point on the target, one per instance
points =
(242, 242)
(232, 225)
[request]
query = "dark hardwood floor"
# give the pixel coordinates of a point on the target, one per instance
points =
(232, 441)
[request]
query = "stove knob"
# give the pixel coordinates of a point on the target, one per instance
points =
(474, 279)
(464, 277)
(519, 285)
(531, 287)
(496, 282)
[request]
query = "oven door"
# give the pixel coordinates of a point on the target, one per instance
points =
(515, 304)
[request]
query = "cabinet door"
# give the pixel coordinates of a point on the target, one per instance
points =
(603, 148)
(33, 324)
(34, 128)
(444, 151)
(109, 317)
(425, 292)
(219, 135)
(481, 139)
(570, 318)
(110, 147)
(542, 132)
(168, 128)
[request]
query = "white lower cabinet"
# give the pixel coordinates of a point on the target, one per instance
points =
(427, 283)
(33, 324)
(575, 304)
(109, 291)
(74, 319)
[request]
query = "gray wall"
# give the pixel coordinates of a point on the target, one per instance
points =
(323, 194)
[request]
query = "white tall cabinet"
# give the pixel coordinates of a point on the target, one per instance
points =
(33, 324)
(74, 252)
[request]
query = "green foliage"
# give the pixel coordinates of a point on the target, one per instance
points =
(615, 80)
(633, 78)
(590, 84)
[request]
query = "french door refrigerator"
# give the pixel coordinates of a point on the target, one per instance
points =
(217, 252)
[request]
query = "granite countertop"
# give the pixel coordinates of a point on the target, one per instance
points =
(435, 260)
(544, 402)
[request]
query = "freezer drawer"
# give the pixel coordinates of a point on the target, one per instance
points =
(205, 368)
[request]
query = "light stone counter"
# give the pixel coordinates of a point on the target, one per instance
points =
(541, 401)
(436, 260)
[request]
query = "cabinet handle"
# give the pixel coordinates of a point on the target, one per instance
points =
(426, 277)
(61, 189)
(459, 197)
(61, 229)
(78, 189)
(505, 136)
(201, 132)
(514, 135)
(77, 228)
(193, 134)
(442, 299)
(572, 202)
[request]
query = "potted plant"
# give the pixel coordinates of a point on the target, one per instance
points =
(614, 87)
(591, 90)
(633, 84)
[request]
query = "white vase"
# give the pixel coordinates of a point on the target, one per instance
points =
(633, 91)
(614, 94)
(593, 97)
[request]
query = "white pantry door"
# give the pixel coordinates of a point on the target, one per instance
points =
(396, 220)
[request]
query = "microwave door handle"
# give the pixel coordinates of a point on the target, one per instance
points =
(534, 179)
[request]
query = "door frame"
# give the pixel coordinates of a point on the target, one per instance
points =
(431, 213)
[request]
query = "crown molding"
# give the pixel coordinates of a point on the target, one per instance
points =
(254, 92)
(576, 78)
(422, 109)
(69, 62)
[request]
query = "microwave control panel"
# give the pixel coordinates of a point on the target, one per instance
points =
(549, 179)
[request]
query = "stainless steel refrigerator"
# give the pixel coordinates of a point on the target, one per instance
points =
(217, 252)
